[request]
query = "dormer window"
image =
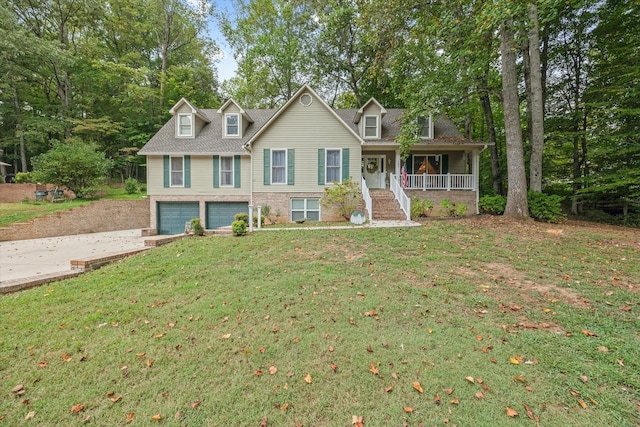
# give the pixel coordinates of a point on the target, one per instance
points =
(371, 126)
(424, 127)
(185, 125)
(232, 127)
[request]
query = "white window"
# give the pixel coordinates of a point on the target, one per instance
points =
(226, 171)
(334, 166)
(429, 164)
(305, 208)
(185, 125)
(424, 127)
(177, 171)
(232, 125)
(371, 126)
(279, 166)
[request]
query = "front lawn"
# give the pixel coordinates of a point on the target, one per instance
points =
(474, 322)
(26, 211)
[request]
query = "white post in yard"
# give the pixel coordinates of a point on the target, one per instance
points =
(259, 217)
(250, 218)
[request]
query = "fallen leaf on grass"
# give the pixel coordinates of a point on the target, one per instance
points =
(273, 370)
(357, 421)
(284, 407)
(371, 313)
(511, 412)
(308, 379)
(584, 378)
(149, 363)
(470, 379)
(263, 422)
(42, 364)
(479, 395)
(436, 399)
(455, 401)
(334, 367)
(77, 408)
(389, 389)
(113, 397)
(603, 349)
(519, 379)
(589, 333)
(516, 360)
(226, 336)
(66, 357)
(529, 412)
(417, 386)
(408, 409)
(195, 404)
(582, 404)
(30, 415)
(17, 388)
(373, 369)
(257, 373)
(448, 390)
(130, 417)
(156, 417)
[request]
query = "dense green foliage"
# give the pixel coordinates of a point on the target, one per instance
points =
(74, 165)
(239, 228)
(545, 207)
(493, 205)
(344, 197)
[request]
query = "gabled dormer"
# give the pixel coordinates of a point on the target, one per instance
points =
(369, 119)
(189, 119)
(235, 120)
(425, 126)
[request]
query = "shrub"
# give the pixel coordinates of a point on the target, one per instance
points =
(266, 211)
(493, 205)
(255, 220)
(22, 178)
(453, 209)
(420, 207)
(242, 216)
(131, 185)
(239, 228)
(345, 196)
(196, 226)
(545, 207)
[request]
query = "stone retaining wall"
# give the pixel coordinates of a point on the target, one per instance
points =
(102, 215)
(16, 193)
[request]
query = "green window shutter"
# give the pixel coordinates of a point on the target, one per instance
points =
(267, 166)
(409, 163)
(345, 163)
(445, 163)
(187, 171)
(320, 166)
(236, 171)
(216, 171)
(291, 166)
(165, 164)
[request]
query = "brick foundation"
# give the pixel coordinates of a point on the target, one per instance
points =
(454, 196)
(102, 215)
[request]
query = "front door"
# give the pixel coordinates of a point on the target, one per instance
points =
(374, 170)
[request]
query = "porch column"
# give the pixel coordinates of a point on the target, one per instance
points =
(398, 166)
(476, 176)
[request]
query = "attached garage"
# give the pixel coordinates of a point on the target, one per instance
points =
(220, 214)
(172, 216)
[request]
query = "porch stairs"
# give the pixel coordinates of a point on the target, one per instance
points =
(385, 206)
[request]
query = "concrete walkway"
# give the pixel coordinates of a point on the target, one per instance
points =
(21, 259)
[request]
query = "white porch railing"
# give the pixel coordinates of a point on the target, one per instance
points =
(401, 197)
(448, 181)
(366, 196)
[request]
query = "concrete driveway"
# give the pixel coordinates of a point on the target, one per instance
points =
(20, 259)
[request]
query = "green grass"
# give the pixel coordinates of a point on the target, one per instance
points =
(26, 211)
(197, 320)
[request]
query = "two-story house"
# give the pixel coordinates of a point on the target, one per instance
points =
(211, 164)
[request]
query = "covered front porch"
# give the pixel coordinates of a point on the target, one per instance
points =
(448, 170)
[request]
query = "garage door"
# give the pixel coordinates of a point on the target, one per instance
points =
(220, 214)
(173, 215)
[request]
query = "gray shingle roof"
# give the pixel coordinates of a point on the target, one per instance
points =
(210, 141)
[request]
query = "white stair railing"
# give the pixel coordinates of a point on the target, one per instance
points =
(366, 196)
(401, 197)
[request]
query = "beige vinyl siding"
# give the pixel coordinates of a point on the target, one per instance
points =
(457, 162)
(201, 178)
(199, 124)
(304, 129)
(371, 110)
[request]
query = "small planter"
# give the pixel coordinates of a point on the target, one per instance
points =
(40, 195)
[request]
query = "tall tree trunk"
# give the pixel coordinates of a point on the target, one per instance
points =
(537, 105)
(498, 188)
(19, 129)
(517, 192)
